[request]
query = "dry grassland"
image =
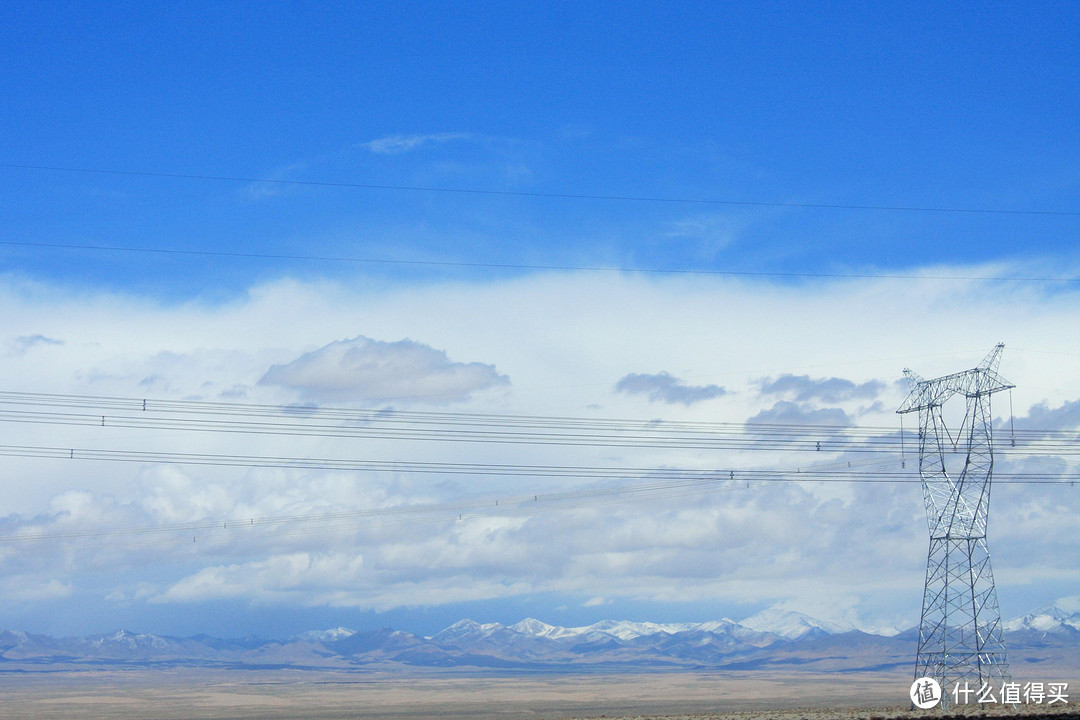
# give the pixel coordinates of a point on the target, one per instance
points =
(276, 695)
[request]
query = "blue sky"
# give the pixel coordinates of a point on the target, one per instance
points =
(961, 107)
(464, 149)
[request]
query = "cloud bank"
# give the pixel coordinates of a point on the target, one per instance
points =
(352, 540)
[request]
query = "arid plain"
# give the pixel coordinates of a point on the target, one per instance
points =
(212, 693)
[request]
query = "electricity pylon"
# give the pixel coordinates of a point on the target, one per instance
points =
(960, 631)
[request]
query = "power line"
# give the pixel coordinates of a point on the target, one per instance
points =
(882, 464)
(551, 195)
(764, 438)
(814, 473)
(385, 424)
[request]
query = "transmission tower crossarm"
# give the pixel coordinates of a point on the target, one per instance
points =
(992, 359)
(979, 381)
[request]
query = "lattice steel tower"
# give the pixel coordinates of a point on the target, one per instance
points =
(960, 631)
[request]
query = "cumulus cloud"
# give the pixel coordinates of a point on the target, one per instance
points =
(662, 387)
(1042, 417)
(803, 388)
(374, 371)
(394, 144)
(790, 413)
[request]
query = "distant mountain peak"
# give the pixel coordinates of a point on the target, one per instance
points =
(330, 635)
(1058, 617)
(129, 640)
(532, 626)
(628, 629)
(472, 625)
(466, 628)
(792, 625)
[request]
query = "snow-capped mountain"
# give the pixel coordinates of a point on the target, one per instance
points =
(538, 628)
(792, 625)
(331, 635)
(627, 630)
(130, 641)
(1058, 617)
(618, 630)
(466, 629)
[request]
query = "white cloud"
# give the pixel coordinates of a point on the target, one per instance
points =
(1069, 604)
(708, 233)
(276, 182)
(298, 573)
(1043, 417)
(34, 590)
(373, 371)
(776, 543)
(832, 390)
(394, 144)
(22, 345)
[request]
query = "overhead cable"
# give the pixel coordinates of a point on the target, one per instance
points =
(535, 194)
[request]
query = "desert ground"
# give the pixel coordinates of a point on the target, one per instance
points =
(233, 694)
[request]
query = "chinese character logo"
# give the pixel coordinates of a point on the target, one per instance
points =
(925, 693)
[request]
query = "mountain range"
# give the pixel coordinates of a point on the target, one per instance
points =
(773, 638)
